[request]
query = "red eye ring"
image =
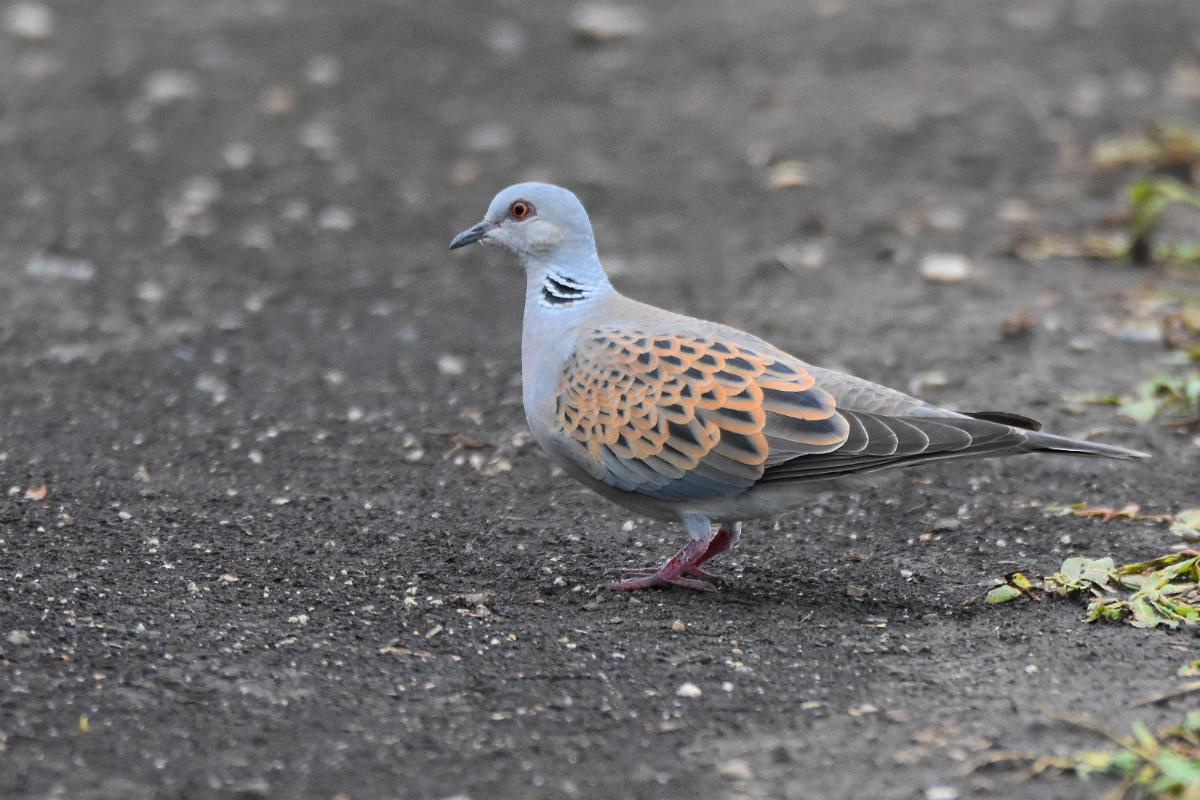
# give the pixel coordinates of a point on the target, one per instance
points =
(520, 209)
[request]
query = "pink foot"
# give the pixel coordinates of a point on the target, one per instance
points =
(684, 563)
(651, 581)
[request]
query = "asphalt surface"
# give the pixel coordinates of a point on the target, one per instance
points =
(270, 525)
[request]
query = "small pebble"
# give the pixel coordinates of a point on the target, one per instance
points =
(19, 638)
(735, 768)
(1015, 211)
(796, 257)
(788, 175)
(319, 136)
(948, 218)
(506, 38)
(238, 155)
(941, 793)
(945, 268)
(930, 379)
(493, 137)
(688, 690)
(1082, 344)
(278, 101)
(60, 267)
(168, 86)
(150, 292)
(465, 171)
(336, 218)
(600, 23)
(323, 70)
(452, 365)
(1184, 81)
(678, 626)
(32, 21)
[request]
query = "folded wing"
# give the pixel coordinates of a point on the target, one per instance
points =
(681, 417)
(684, 417)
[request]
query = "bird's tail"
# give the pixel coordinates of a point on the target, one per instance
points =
(1035, 441)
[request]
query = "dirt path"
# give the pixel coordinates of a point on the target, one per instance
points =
(272, 560)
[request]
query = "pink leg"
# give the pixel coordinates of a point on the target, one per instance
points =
(671, 573)
(722, 541)
(686, 562)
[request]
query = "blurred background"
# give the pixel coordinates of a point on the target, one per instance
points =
(246, 389)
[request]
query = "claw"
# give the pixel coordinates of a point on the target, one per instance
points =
(683, 564)
(653, 580)
(695, 572)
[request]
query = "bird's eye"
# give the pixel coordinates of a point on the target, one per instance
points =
(520, 210)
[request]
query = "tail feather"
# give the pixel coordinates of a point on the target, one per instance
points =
(1051, 443)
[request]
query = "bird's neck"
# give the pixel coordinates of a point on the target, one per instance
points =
(564, 284)
(557, 301)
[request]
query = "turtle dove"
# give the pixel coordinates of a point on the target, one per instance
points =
(680, 418)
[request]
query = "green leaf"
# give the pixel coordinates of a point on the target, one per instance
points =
(1145, 615)
(1143, 736)
(1140, 410)
(1187, 521)
(1125, 761)
(1002, 594)
(1176, 770)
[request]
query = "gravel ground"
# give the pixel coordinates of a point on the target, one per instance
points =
(294, 541)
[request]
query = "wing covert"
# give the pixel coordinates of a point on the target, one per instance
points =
(687, 416)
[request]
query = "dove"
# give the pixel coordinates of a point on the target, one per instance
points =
(683, 419)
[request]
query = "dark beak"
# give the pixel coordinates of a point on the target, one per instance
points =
(471, 235)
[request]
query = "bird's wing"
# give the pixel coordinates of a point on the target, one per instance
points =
(693, 416)
(681, 417)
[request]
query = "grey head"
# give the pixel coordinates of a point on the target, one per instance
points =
(546, 228)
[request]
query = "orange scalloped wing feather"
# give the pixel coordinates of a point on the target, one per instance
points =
(685, 417)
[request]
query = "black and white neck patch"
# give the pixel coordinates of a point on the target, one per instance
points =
(559, 290)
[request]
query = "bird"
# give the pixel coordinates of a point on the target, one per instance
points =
(683, 419)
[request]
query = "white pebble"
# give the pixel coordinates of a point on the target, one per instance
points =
(948, 218)
(19, 638)
(597, 23)
(319, 136)
(32, 21)
(60, 267)
(448, 364)
(506, 38)
(238, 155)
(336, 218)
(736, 769)
(170, 85)
(323, 70)
(945, 268)
(491, 137)
(212, 385)
(688, 690)
(150, 292)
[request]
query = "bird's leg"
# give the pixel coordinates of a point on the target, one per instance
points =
(725, 539)
(672, 573)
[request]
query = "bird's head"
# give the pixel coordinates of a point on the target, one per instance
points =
(536, 222)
